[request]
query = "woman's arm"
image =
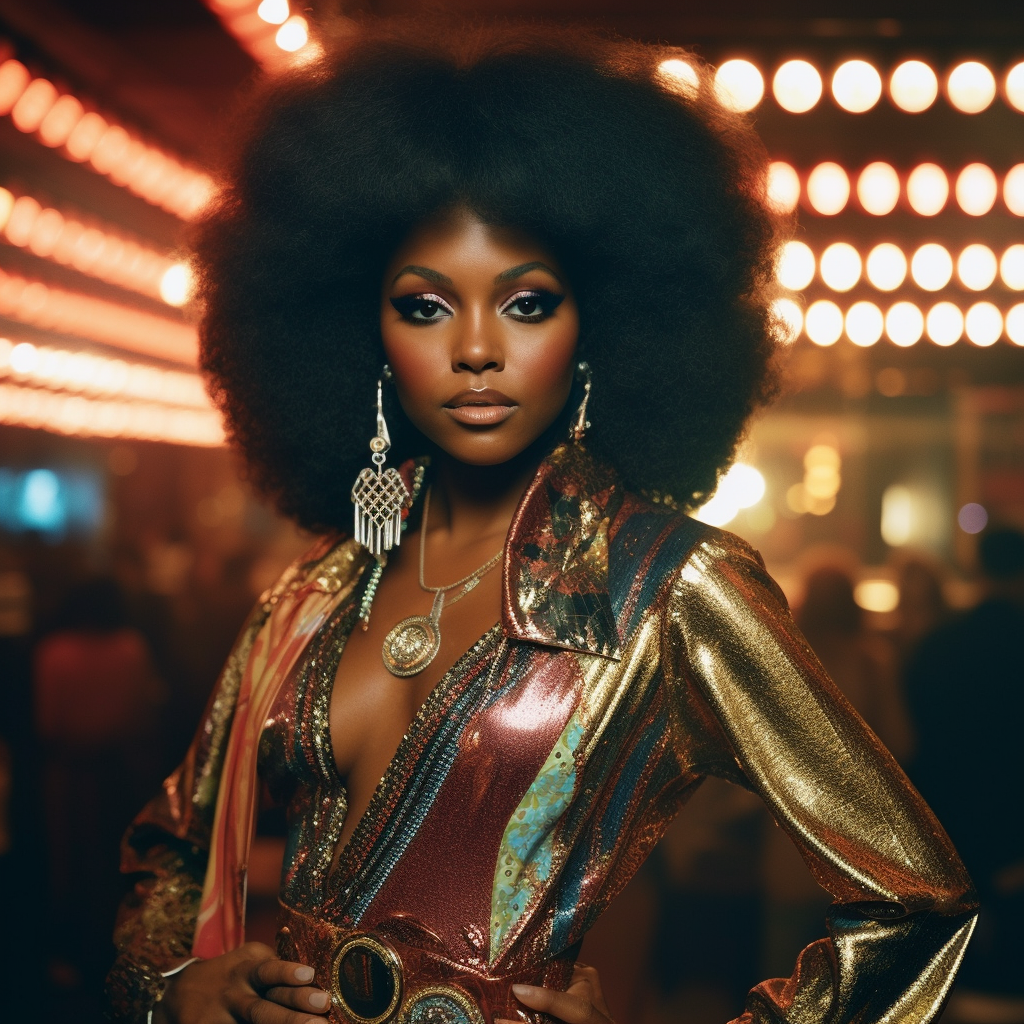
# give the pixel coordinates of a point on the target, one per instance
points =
(166, 848)
(904, 907)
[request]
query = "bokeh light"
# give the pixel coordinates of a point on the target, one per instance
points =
(879, 596)
(913, 86)
(983, 324)
(976, 267)
(1014, 325)
(14, 78)
(840, 266)
(293, 34)
(1011, 267)
(679, 76)
(738, 85)
(972, 517)
(797, 86)
(976, 189)
(878, 188)
(856, 86)
(971, 87)
(864, 324)
(904, 324)
(945, 324)
(742, 486)
(886, 267)
(796, 266)
(274, 12)
(1015, 86)
(790, 319)
(931, 267)
(783, 186)
(60, 121)
(927, 189)
(828, 189)
(176, 284)
(1013, 190)
(823, 322)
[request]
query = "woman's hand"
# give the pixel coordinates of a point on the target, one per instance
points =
(248, 984)
(581, 1003)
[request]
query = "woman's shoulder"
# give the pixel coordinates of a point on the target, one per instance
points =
(331, 562)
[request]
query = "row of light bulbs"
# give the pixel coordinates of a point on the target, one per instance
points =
(103, 253)
(62, 413)
(49, 308)
(267, 30)
(61, 122)
(99, 376)
(931, 266)
(856, 85)
(904, 323)
(827, 188)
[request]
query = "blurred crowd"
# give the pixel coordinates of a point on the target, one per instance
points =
(104, 675)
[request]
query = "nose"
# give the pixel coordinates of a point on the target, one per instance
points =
(477, 346)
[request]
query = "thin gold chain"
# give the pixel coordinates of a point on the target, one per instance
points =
(473, 578)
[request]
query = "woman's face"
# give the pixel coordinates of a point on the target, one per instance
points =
(480, 328)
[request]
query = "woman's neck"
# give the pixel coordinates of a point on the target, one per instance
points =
(473, 503)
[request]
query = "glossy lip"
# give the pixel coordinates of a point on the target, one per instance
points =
(480, 408)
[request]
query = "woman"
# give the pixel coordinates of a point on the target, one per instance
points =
(564, 261)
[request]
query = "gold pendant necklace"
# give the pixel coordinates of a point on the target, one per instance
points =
(413, 644)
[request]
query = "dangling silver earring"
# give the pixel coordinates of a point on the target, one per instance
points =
(379, 495)
(580, 423)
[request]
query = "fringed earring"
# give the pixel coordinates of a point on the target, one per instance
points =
(580, 423)
(379, 495)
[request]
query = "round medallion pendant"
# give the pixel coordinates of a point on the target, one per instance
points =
(411, 646)
(367, 980)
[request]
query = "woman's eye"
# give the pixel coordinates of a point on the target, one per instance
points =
(531, 306)
(421, 309)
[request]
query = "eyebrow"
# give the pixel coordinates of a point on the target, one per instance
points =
(506, 275)
(524, 268)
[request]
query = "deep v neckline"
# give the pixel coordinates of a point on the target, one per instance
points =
(370, 840)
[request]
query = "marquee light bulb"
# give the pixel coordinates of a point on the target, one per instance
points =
(828, 189)
(791, 320)
(823, 323)
(927, 189)
(60, 121)
(913, 86)
(14, 79)
(1014, 325)
(976, 189)
(971, 87)
(864, 324)
(945, 324)
(886, 267)
(904, 324)
(840, 266)
(1011, 267)
(797, 86)
(738, 85)
(1013, 190)
(1014, 86)
(931, 267)
(679, 76)
(983, 324)
(976, 267)
(856, 86)
(796, 266)
(878, 188)
(783, 187)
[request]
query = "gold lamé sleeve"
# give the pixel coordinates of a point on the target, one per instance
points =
(166, 849)
(904, 907)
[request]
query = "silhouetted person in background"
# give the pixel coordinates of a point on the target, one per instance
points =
(96, 698)
(965, 686)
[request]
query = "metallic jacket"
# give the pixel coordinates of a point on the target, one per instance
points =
(638, 652)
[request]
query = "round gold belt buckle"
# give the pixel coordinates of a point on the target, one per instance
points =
(366, 979)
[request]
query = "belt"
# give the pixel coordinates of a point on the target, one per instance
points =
(400, 971)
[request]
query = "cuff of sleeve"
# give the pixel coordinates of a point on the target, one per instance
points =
(134, 988)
